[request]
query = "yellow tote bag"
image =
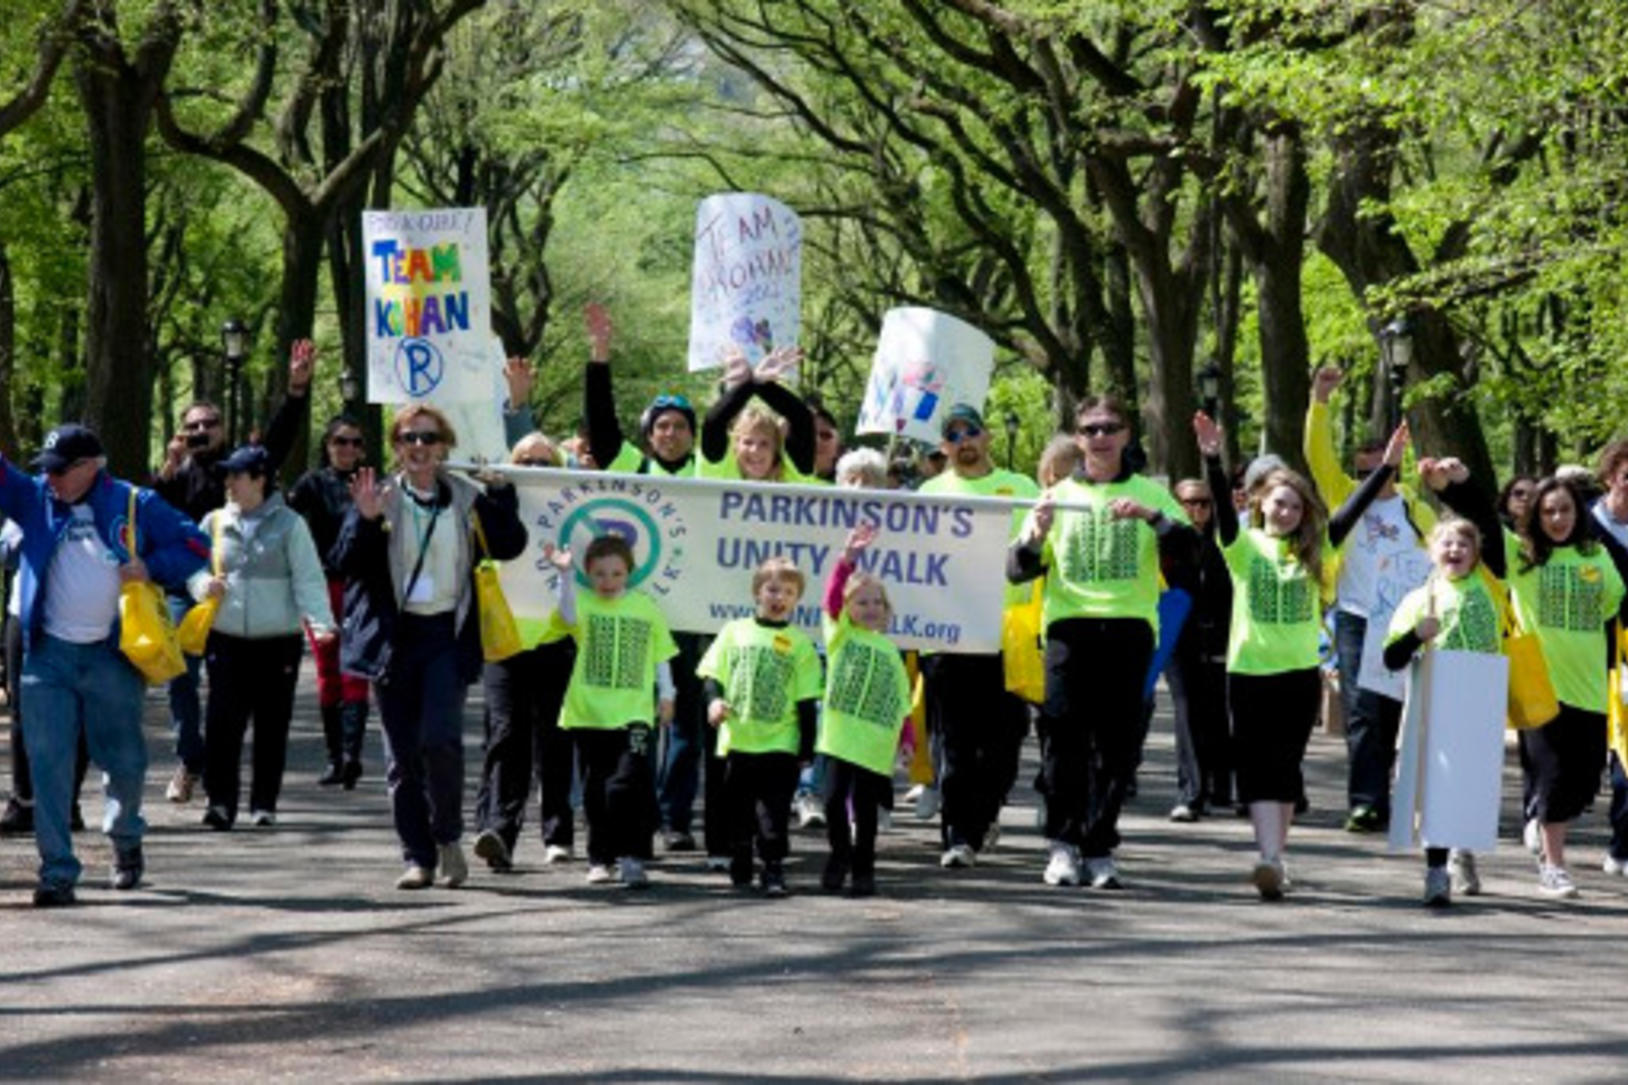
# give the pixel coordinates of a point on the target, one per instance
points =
(1023, 655)
(146, 634)
(193, 632)
(1532, 701)
(499, 635)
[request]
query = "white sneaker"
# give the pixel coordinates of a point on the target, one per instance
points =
(181, 785)
(1553, 881)
(600, 874)
(631, 871)
(1183, 813)
(957, 855)
(262, 819)
(1532, 836)
(1612, 865)
(718, 864)
(1268, 878)
(914, 794)
(992, 836)
(1461, 870)
(1063, 868)
(553, 853)
(1438, 887)
(1102, 872)
(450, 865)
(810, 811)
(927, 805)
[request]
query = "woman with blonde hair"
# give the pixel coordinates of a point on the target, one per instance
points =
(740, 439)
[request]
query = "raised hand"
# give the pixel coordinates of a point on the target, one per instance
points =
(1324, 381)
(777, 363)
(367, 494)
(737, 370)
(1208, 433)
(520, 375)
(598, 322)
(858, 539)
(302, 359)
(1397, 446)
(558, 556)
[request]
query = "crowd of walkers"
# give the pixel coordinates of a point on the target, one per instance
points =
(1240, 589)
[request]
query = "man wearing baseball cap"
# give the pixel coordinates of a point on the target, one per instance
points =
(77, 552)
(977, 726)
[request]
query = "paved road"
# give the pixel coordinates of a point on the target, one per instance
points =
(287, 954)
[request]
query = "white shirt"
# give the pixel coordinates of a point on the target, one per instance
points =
(82, 587)
(1382, 532)
(1616, 528)
(436, 591)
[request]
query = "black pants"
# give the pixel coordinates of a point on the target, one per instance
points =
(1272, 718)
(691, 747)
(524, 741)
(1095, 671)
(979, 729)
(1198, 691)
(248, 678)
(1566, 756)
(845, 783)
(618, 791)
(760, 787)
(22, 788)
(1371, 722)
(421, 708)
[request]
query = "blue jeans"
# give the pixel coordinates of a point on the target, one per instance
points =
(1371, 722)
(68, 688)
(421, 704)
(186, 713)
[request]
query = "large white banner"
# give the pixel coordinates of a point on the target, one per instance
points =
(696, 543)
(746, 286)
(926, 362)
(429, 309)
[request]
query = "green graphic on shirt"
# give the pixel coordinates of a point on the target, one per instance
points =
(1100, 548)
(1571, 597)
(861, 686)
(1277, 600)
(616, 647)
(759, 682)
(1475, 627)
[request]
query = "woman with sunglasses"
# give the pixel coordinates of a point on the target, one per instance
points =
(408, 551)
(322, 496)
(1100, 611)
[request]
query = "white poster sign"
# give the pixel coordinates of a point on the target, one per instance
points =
(926, 362)
(746, 285)
(1450, 765)
(696, 543)
(479, 423)
(1395, 574)
(429, 322)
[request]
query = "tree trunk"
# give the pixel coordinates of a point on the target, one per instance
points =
(1285, 353)
(296, 316)
(1172, 317)
(1119, 344)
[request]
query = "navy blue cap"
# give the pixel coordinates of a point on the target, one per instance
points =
(247, 460)
(965, 413)
(67, 445)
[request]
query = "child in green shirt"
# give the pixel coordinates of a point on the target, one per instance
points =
(622, 650)
(762, 682)
(867, 698)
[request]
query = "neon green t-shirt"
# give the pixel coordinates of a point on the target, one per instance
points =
(1276, 607)
(1465, 607)
(764, 672)
(997, 483)
(867, 696)
(1099, 567)
(619, 643)
(1566, 602)
(730, 468)
(627, 462)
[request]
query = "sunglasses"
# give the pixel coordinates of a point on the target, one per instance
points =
(1100, 429)
(534, 461)
(1197, 502)
(966, 433)
(664, 402)
(199, 424)
(419, 437)
(346, 442)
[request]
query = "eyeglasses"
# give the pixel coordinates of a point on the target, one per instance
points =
(419, 437)
(666, 402)
(965, 433)
(1197, 502)
(1100, 429)
(346, 442)
(534, 461)
(197, 425)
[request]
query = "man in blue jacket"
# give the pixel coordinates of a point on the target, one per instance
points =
(76, 555)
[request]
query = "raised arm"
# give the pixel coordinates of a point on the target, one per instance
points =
(293, 414)
(1208, 434)
(858, 539)
(1332, 483)
(788, 405)
(1344, 518)
(598, 395)
(738, 390)
(1450, 480)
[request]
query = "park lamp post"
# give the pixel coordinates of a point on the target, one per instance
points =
(350, 388)
(1209, 389)
(1396, 344)
(1012, 422)
(234, 342)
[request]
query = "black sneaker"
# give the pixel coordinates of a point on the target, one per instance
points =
(128, 867)
(864, 885)
(54, 896)
(217, 818)
(835, 873)
(774, 880)
(1364, 819)
(678, 840)
(332, 775)
(489, 845)
(18, 819)
(740, 871)
(349, 773)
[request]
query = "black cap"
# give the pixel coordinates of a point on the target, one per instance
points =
(247, 460)
(961, 412)
(67, 445)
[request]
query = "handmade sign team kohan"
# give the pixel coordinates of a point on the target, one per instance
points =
(696, 542)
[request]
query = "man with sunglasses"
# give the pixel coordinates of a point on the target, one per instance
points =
(977, 727)
(1395, 525)
(78, 549)
(190, 479)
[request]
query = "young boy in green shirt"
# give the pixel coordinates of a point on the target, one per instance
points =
(762, 682)
(622, 650)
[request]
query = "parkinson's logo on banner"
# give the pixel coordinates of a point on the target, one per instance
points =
(634, 511)
(429, 324)
(926, 362)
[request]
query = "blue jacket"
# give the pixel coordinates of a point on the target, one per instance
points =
(170, 544)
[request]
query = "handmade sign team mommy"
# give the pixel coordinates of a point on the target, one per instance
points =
(696, 542)
(429, 322)
(746, 286)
